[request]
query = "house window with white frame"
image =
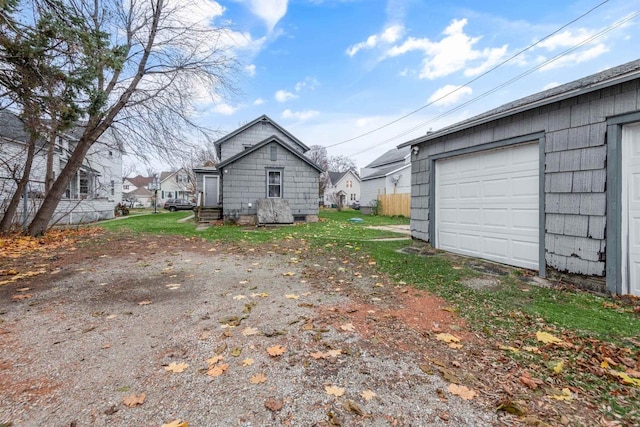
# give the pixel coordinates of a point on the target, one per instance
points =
(353, 196)
(274, 184)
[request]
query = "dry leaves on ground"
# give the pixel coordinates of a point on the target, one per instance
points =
(176, 367)
(217, 370)
(367, 395)
(258, 378)
(276, 350)
(134, 400)
(463, 391)
(334, 390)
(176, 423)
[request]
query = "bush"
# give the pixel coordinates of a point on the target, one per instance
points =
(121, 210)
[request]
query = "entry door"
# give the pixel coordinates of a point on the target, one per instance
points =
(210, 190)
(631, 209)
(487, 205)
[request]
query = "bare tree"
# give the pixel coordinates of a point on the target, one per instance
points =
(153, 61)
(318, 154)
(342, 163)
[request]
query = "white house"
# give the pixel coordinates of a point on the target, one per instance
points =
(138, 189)
(342, 189)
(175, 185)
(388, 174)
(93, 193)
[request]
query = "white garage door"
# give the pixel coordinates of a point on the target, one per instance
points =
(631, 209)
(487, 205)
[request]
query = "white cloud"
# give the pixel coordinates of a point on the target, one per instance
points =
(566, 39)
(452, 53)
(270, 11)
(259, 101)
(299, 115)
(449, 94)
(389, 35)
(577, 57)
(309, 82)
(251, 70)
(284, 96)
(224, 109)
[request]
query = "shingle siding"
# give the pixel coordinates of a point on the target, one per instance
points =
(574, 166)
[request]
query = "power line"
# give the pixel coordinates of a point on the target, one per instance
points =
(508, 82)
(472, 80)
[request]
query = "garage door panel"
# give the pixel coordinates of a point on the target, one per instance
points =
(469, 216)
(496, 205)
(498, 218)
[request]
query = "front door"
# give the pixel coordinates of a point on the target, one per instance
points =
(211, 190)
(631, 209)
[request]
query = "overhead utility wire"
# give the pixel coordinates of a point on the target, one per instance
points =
(470, 81)
(512, 80)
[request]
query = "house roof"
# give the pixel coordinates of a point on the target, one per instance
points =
(381, 173)
(335, 177)
(264, 142)
(139, 192)
(140, 181)
(392, 156)
(12, 127)
(610, 77)
(262, 118)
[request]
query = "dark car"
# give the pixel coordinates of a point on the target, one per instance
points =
(178, 205)
(355, 205)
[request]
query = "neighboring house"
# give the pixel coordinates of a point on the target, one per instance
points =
(138, 189)
(548, 182)
(175, 185)
(343, 189)
(90, 196)
(388, 174)
(260, 163)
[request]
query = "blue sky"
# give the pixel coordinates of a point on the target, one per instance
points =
(331, 70)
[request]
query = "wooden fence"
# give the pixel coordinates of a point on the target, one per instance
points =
(395, 204)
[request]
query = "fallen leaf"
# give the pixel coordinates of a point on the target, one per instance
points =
(515, 408)
(176, 423)
(352, 406)
(547, 338)
(462, 391)
(247, 362)
(273, 405)
(276, 350)
(348, 327)
(173, 286)
(261, 295)
(529, 381)
(176, 367)
(291, 296)
(18, 297)
(509, 348)
(258, 379)
(288, 274)
(237, 297)
(367, 395)
(334, 390)
(333, 353)
(557, 367)
(134, 400)
(447, 338)
(317, 355)
(455, 345)
(146, 302)
(218, 370)
(236, 352)
(249, 331)
(565, 394)
(625, 378)
(215, 359)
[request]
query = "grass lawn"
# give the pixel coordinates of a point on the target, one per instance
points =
(597, 328)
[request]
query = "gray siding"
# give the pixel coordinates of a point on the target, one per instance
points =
(251, 136)
(575, 172)
(244, 182)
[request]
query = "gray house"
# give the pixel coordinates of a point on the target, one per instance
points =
(263, 176)
(388, 174)
(550, 182)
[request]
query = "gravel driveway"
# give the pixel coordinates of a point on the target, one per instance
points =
(221, 335)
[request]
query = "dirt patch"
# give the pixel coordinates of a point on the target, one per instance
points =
(108, 318)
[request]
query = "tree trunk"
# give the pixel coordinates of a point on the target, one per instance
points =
(48, 180)
(9, 214)
(42, 218)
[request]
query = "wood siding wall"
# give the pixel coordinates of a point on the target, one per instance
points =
(395, 204)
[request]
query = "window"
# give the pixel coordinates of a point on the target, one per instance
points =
(349, 184)
(353, 196)
(84, 185)
(113, 187)
(110, 153)
(274, 184)
(183, 179)
(125, 187)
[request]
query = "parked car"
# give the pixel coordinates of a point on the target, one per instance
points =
(355, 205)
(178, 205)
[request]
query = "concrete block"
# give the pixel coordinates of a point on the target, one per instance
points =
(554, 223)
(593, 158)
(593, 204)
(558, 182)
(597, 226)
(582, 181)
(570, 160)
(569, 203)
(576, 225)
(578, 137)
